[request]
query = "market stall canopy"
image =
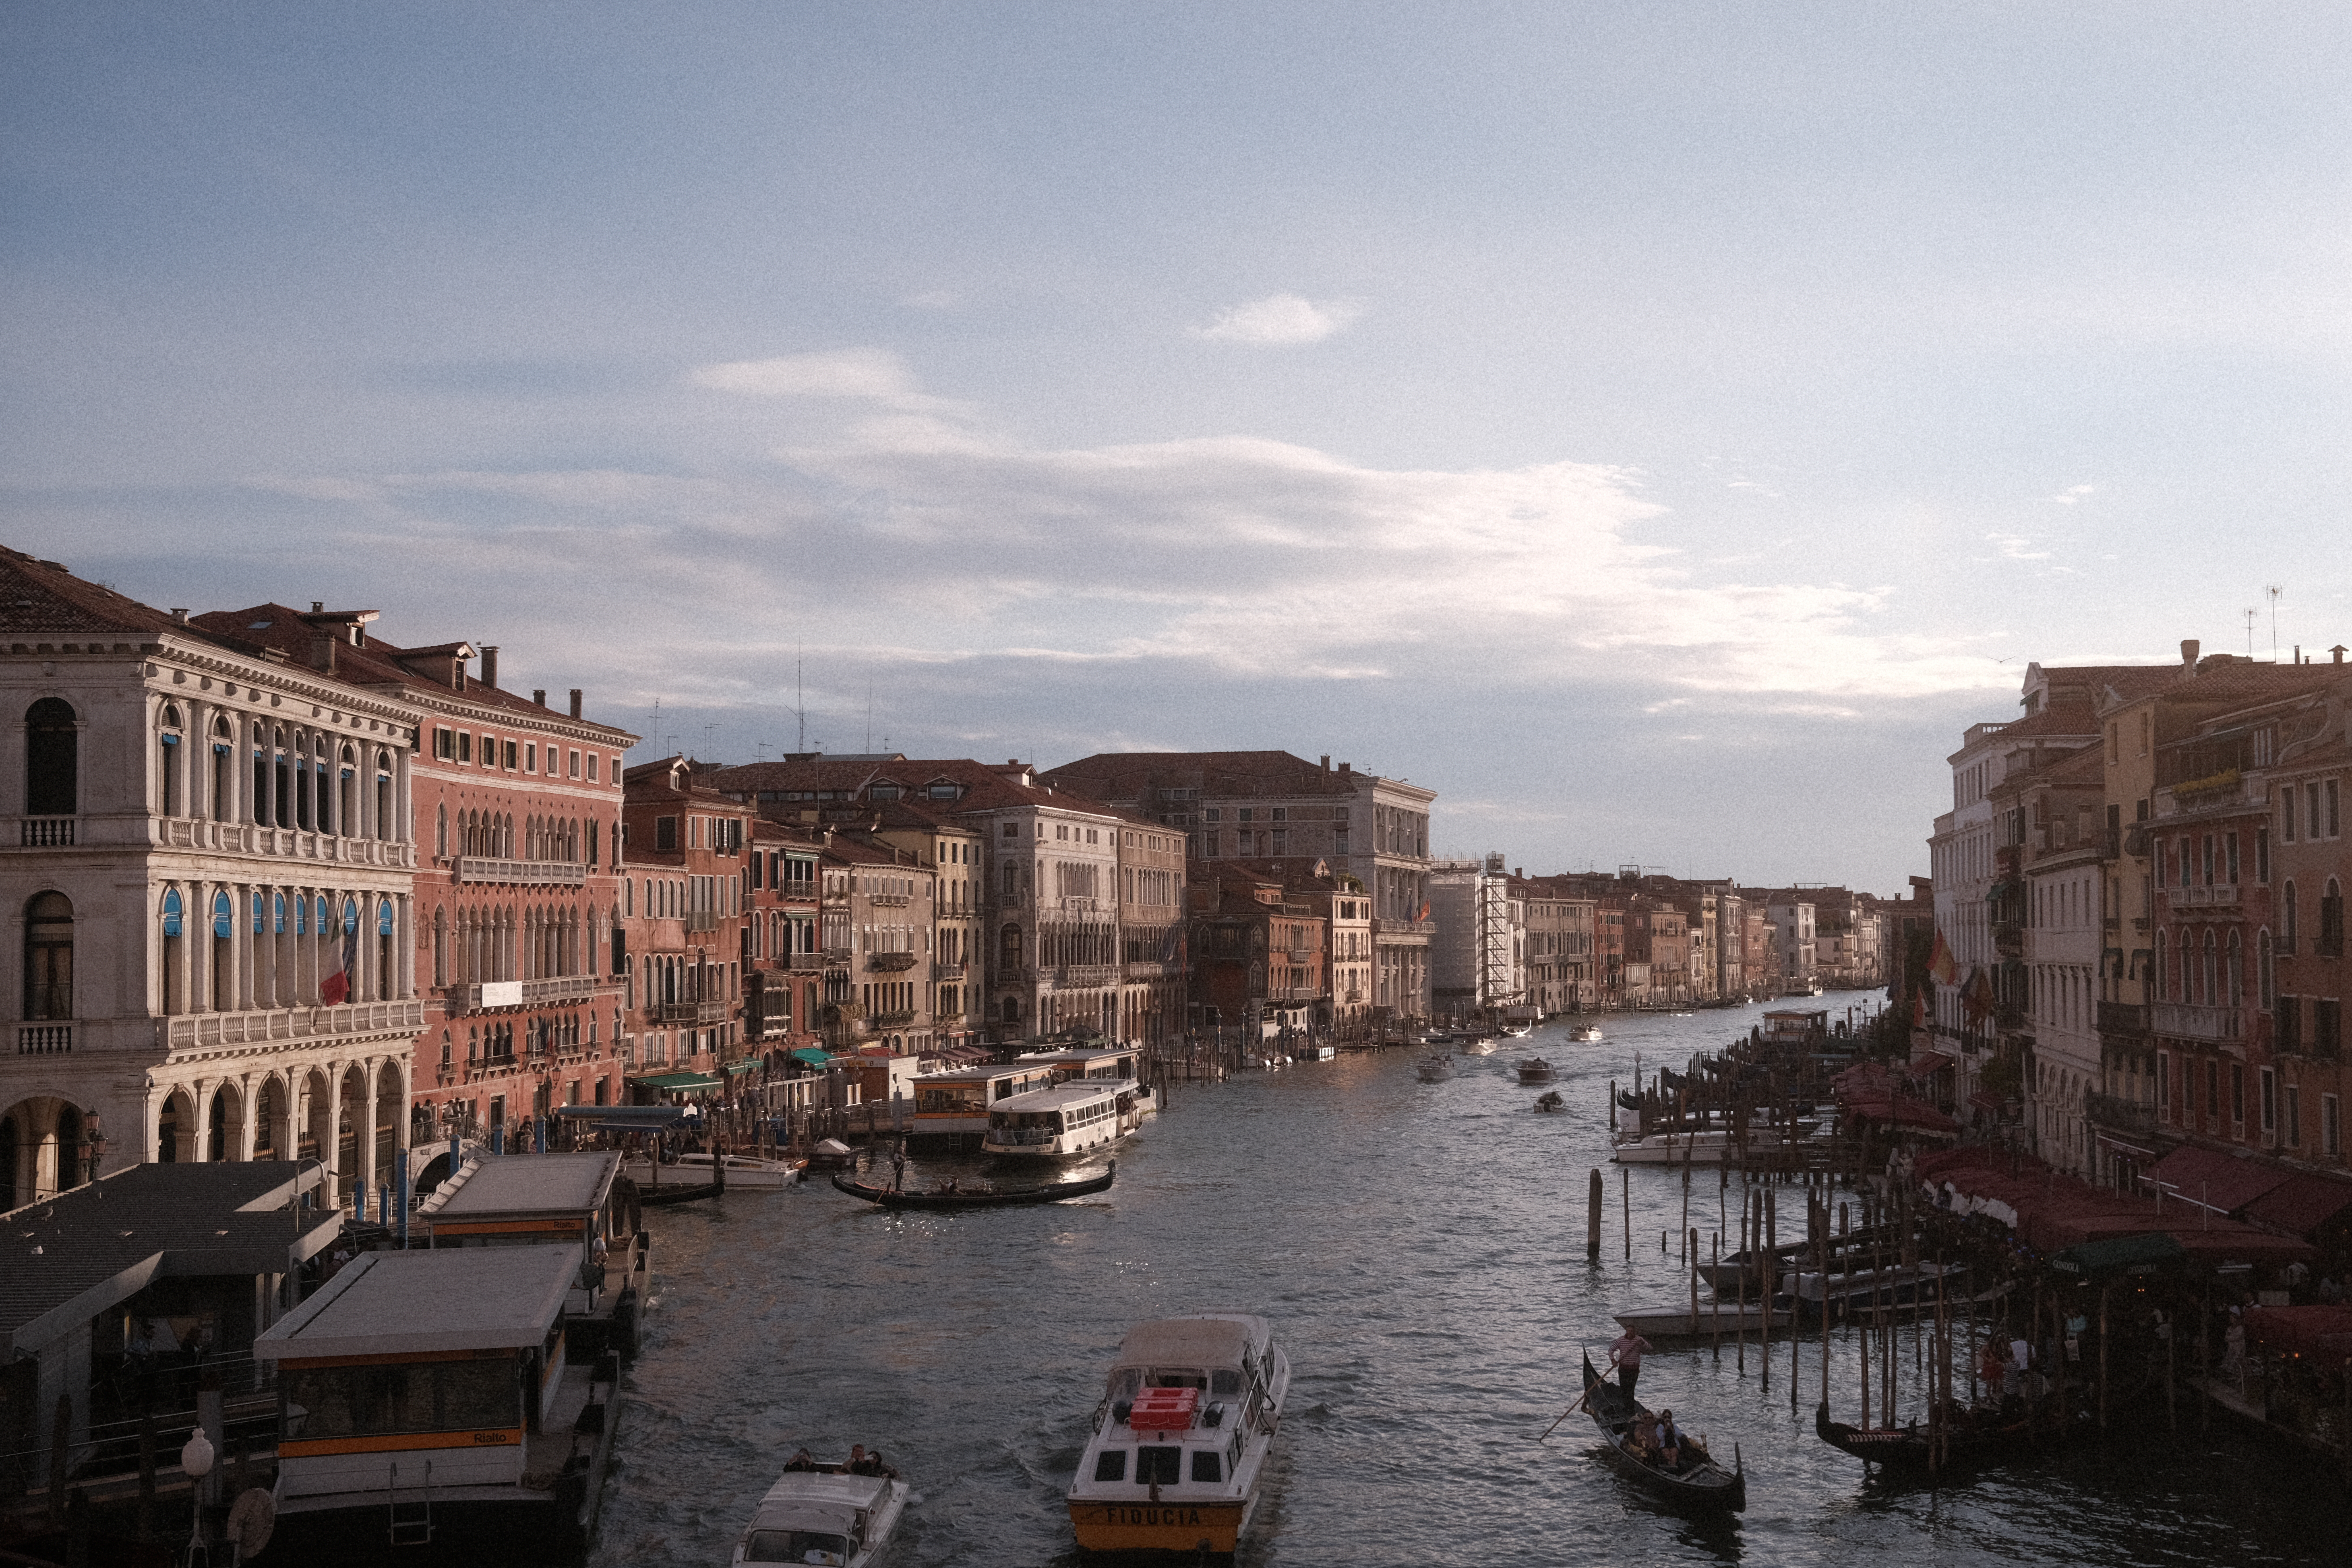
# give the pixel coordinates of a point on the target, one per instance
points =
(2222, 1183)
(2124, 1255)
(2300, 1206)
(632, 1118)
(2317, 1330)
(676, 1083)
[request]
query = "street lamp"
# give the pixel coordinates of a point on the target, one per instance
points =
(196, 1460)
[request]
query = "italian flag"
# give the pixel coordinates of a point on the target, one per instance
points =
(336, 988)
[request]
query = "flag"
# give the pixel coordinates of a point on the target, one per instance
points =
(1425, 911)
(1941, 968)
(1172, 944)
(1919, 1011)
(1976, 998)
(336, 988)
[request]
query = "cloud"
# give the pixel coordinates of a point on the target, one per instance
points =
(1280, 318)
(935, 300)
(2073, 496)
(877, 375)
(2012, 547)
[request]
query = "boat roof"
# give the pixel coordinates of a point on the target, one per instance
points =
(815, 1499)
(1208, 1339)
(510, 1187)
(1079, 1056)
(1023, 1069)
(1077, 1092)
(393, 1303)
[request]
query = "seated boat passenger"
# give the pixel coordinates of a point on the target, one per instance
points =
(1644, 1440)
(1670, 1441)
(802, 1460)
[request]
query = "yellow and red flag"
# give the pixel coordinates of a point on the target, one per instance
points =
(1942, 968)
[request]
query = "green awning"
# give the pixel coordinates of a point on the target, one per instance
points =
(811, 1055)
(749, 1064)
(2122, 1255)
(678, 1082)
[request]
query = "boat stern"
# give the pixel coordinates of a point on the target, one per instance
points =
(1145, 1526)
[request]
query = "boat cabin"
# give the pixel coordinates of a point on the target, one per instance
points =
(1066, 1119)
(956, 1100)
(1792, 1027)
(417, 1373)
(818, 1517)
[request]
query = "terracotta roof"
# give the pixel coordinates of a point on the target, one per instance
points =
(373, 662)
(1128, 775)
(985, 786)
(38, 595)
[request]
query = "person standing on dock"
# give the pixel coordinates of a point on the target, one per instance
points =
(1626, 1352)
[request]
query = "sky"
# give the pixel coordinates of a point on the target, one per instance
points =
(1660, 430)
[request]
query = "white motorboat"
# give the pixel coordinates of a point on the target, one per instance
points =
(1178, 1456)
(822, 1516)
(1584, 1033)
(747, 1172)
(1435, 1069)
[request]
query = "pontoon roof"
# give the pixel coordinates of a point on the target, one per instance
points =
(1186, 1341)
(395, 1303)
(510, 1187)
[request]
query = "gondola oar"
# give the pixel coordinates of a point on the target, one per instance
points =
(1579, 1402)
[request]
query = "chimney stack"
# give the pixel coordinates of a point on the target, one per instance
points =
(489, 664)
(1346, 767)
(2338, 651)
(575, 702)
(539, 696)
(2188, 646)
(180, 613)
(1327, 761)
(318, 607)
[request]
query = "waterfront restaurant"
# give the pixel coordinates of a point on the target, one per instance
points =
(424, 1399)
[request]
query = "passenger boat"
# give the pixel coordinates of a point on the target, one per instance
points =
(826, 1516)
(746, 1172)
(1980, 1433)
(1478, 1042)
(1435, 1069)
(1069, 1119)
(1178, 1456)
(981, 1197)
(1535, 1070)
(1699, 1485)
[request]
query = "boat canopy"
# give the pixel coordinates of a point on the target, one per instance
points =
(815, 1501)
(1186, 1341)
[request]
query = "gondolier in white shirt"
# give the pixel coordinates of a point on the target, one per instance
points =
(1625, 1355)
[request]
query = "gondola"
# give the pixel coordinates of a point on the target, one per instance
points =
(998, 1197)
(662, 1197)
(1701, 1486)
(1982, 1434)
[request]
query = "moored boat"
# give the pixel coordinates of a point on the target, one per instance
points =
(955, 1196)
(824, 1515)
(1697, 1483)
(746, 1172)
(1969, 1435)
(1178, 1456)
(1676, 1324)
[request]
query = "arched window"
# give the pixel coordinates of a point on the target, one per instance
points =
(2211, 994)
(1012, 1009)
(223, 746)
(48, 956)
(260, 775)
(384, 923)
(347, 793)
(2163, 966)
(441, 952)
(52, 748)
(1009, 958)
(2331, 919)
(384, 814)
(170, 791)
(2235, 984)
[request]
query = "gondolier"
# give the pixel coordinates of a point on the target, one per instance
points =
(1625, 1355)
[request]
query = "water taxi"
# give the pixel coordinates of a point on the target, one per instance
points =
(427, 1412)
(1178, 1456)
(824, 1515)
(1070, 1118)
(1435, 1069)
(1584, 1033)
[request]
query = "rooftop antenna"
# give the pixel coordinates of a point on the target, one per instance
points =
(2274, 590)
(763, 751)
(869, 711)
(2250, 635)
(710, 741)
(800, 706)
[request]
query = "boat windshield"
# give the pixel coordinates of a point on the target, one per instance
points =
(796, 1546)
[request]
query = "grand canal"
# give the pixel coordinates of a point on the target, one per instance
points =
(1420, 1250)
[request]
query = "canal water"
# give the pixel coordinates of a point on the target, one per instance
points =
(1420, 1250)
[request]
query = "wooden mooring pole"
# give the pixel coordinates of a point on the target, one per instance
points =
(1595, 1194)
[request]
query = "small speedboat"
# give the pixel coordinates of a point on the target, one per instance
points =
(825, 1516)
(1549, 1099)
(1584, 1033)
(1517, 1031)
(833, 1154)
(1435, 1069)
(1535, 1070)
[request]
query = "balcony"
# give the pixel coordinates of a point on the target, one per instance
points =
(2184, 1021)
(2121, 1115)
(2123, 1019)
(253, 838)
(687, 1011)
(1076, 976)
(834, 957)
(46, 832)
(893, 1020)
(2225, 893)
(474, 868)
(947, 971)
(44, 1040)
(889, 962)
(490, 994)
(2009, 940)
(1388, 927)
(1149, 969)
(1294, 992)
(887, 901)
(702, 919)
(801, 962)
(201, 1031)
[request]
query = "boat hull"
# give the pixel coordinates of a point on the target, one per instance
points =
(1703, 1488)
(952, 1203)
(1185, 1527)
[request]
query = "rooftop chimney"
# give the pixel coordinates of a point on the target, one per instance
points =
(180, 613)
(1346, 767)
(2338, 651)
(539, 695)
(489, 664)
(1327, 761)
(2188, 646)
(318, 607)
(575, 702)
